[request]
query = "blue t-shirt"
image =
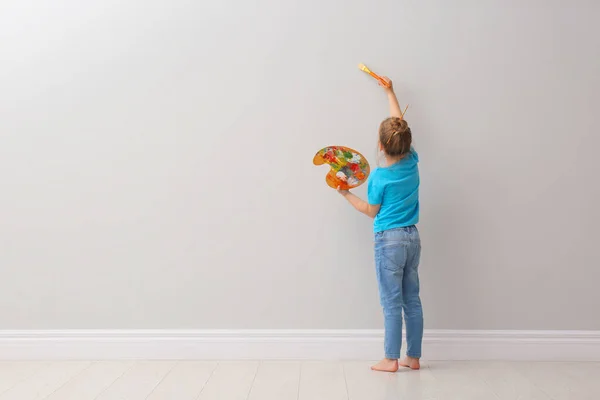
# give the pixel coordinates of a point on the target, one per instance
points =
(396, 189)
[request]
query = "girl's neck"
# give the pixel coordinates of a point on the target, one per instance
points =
(389, 161)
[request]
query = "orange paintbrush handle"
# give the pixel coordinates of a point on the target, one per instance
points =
(380, 79)
(364, 68)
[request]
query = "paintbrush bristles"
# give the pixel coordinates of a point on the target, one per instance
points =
(364, 68)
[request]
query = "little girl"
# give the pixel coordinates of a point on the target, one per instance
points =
(393, 194)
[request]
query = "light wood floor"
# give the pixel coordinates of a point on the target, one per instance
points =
(282, 380)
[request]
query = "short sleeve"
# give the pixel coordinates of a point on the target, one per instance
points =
(374, 190)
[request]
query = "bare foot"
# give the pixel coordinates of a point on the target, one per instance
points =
(386, 365)
(409, 362)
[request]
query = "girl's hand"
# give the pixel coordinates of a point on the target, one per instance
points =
(390, 87)
(343, 192)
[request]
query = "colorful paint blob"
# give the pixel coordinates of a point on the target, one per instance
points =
(349, 168)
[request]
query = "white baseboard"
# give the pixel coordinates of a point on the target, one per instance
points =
(293, 344)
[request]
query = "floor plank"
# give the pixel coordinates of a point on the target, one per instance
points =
(366, 384)
(13, 372)
(281, 380)
(420, 384)
(564, 381)
(276, 380)
(322, 381)
(404, 384)
(459, 381)
(586, 379)
(45, 381)
(508, 383)
(184, 382)
(93, 381)
(231, 380)
(139, 381)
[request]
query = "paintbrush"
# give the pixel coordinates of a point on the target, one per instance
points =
(364, 68)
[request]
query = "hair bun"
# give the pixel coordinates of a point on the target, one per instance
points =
(395, 136)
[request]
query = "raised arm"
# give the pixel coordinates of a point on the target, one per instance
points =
(395, 110)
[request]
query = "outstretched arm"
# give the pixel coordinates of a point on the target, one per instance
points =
(395, 110)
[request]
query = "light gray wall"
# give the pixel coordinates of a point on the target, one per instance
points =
(144, 145)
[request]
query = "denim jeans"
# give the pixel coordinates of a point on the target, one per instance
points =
(397, 255)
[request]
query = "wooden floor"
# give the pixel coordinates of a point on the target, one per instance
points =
(271, 380)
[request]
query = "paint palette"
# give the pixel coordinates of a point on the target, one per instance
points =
(349, 168)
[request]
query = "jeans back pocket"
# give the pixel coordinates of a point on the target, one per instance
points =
(393, 256)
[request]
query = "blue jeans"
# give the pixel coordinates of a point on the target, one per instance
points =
(397, 255)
